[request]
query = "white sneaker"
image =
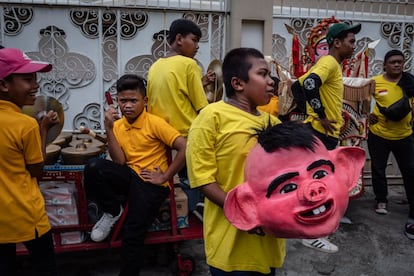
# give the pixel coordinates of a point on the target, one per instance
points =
(102, 228)
(345, 220)
(321, 244)
(381, 208)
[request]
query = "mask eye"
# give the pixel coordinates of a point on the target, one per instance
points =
(290, 187)
(320, 174)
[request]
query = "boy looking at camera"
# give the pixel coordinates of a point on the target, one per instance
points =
(139, 170)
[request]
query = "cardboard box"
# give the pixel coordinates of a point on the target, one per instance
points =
(163, 219)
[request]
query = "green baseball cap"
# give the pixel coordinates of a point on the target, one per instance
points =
(336, 29)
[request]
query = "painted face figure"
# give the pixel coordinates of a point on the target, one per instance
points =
(321, 49)
(294, 188)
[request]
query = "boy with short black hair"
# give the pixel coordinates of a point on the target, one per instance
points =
(323, 84)
(23, 217)
(139, 170)
(175, 87)
(218, 143)
(182, 27)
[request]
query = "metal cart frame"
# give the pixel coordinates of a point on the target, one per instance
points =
(185, 264)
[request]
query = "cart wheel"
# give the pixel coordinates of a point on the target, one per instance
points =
(184, 265)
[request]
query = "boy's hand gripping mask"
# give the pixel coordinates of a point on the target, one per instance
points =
(294, 187)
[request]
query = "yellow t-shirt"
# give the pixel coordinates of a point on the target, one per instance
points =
(218, 143)
(144, 142)
(175, 91)
(331, 92)
(22, 207)
(387, 93)
(271, 107)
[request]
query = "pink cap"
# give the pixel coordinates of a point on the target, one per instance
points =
(14, 61)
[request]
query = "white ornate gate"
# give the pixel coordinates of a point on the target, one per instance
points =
(90, 47)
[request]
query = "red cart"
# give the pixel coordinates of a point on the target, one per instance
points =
(74, 173)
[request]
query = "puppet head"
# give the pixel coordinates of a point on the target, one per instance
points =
(317, 44)
(294, 187)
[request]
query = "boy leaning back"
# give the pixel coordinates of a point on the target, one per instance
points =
(218, 143)
(139, 170)
(23, 217)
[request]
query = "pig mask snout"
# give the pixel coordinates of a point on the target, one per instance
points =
(313, 192)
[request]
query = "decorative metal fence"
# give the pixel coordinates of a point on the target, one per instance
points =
(91, 47)
(191, 5)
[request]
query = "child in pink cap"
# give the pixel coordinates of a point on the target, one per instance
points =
(23, 218)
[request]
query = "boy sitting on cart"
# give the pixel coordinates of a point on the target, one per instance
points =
(139, 170)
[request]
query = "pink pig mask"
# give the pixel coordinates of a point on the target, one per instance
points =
(294, 187)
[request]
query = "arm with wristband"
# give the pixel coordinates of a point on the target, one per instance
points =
(311, 85)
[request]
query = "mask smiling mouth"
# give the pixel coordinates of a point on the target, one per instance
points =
(317, 214)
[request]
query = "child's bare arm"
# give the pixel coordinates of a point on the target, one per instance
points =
(208, 78)
(159, 177)
(213, 192)
(179, 160)
(117, 154)
(114, 149)
(35, 169)
(46, 122)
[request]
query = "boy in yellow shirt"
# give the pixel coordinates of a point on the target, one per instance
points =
(139, 170)
(219, 140)
(175, 87)
(23, 217)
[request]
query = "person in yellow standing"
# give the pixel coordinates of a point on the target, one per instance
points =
(218, 143)
(392, 132)
(175, 87)
(23, 217)
(323, 84)
(322, 87)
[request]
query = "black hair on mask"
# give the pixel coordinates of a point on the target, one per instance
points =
(288, 134)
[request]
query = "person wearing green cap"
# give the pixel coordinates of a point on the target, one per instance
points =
(322, 87)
